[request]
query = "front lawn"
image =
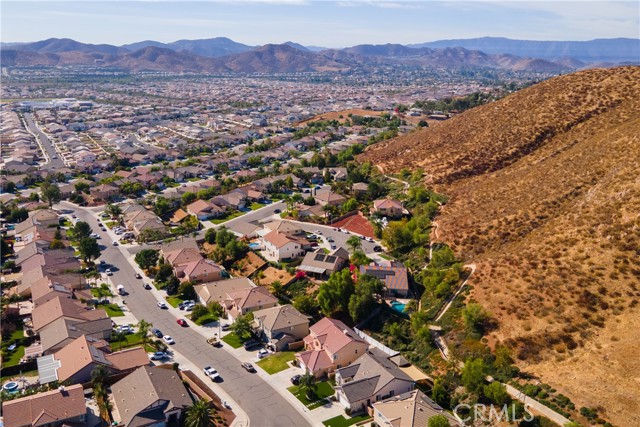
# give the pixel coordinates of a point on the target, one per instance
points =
(341, 421)
(233, 340)
(207, 318)
(227, 217)
(323, 391)
(111, 224)
(385, 256)
(174, 301)
(276, 362)
(113, 310)
(254, 206)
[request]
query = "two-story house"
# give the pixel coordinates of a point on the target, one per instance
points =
(62, 406)
(281, 325)
(330, 345)
(248, 300)
(389, 208)
(279, 246)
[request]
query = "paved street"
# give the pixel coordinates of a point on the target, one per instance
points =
(54, 163)
(263, 405)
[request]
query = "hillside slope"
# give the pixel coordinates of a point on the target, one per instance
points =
(545, 199)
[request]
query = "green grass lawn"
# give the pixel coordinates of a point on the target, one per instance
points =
(206, 319)
(256, 205)
(323, 391)
(276, 362)
(111, 224)
(13, 357)
(233, 340)
(387, 257)
(341, 421)
(33, 373)
(174, 301)
(113, 310)
(227, 217)
(195, 178)
(131, 340)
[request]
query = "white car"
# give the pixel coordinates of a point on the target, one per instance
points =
(262, 353)
(168, 339)
(158, 355)
(211, 373)
(162, 305)
(109, 272)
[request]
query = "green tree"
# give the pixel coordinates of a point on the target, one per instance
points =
(187, 291)
(89, 249)
(289, 182)
(438, 421)
(163, 273)
(439, 392)
(277, 288)
(200, 414)
(147, 258)
(242, 326)
(162, 207)
(350, 205)
(504, 360)
(56, 244)
(474, 317)
(10, 187)
(120, 337)
(114, 211)
(473, 375)
(50, 193)
(82, 187)
(210, 236)
(34, 197)
(215, 308)
(306, 304)
(143, 331)
(334, 294)
(199, 311)
(81, 230)
(364, 300)
(497, 393)
(354, 243)
(308, 386)
(5, 249)
(188, 198)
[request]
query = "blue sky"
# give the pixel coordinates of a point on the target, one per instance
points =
(320, 23)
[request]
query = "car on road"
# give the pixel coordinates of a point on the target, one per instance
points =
(211, 372)
(103, 229)
(330, 239)
(277, 211)
(138, 276)
(369, 239)
(162, 305)
(168, 339)
(73, 216)
(121, 290)
(109, 272)
(146, 286)
(377, 248)
(248, 367)
(157, 333)
(95, 235)
(251, 344)
(182, 322)
(158, 355)
(262, 353)
(54, 157)
(333, 246)
(115, 243)
(295, 380)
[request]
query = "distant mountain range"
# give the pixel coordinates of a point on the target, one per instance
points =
(223, 55)
(598, 50)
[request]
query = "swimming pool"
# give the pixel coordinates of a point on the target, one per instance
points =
(398, 306)
(254, 246)
(11, 387)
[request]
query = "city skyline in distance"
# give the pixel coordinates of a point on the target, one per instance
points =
(316, 23)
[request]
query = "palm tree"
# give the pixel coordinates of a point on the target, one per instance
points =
(119, 337)
(354, 243)
(200, 414)
(277, 288)
(143, 331)
(307, 385)
(98, 383)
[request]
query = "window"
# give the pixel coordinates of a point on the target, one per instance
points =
(356, 351)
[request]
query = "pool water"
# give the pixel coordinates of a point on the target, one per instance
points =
(254, 246)
(398, 306)
(11, 387)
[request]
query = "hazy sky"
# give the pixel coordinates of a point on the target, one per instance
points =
(319, 23)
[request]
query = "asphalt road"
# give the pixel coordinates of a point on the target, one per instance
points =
(56, 163)
(264, 406)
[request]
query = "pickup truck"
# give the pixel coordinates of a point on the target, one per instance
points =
(215, 341)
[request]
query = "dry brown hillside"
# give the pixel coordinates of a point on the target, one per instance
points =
(545, 199)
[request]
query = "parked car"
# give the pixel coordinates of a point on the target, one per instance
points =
(214, 341)
(121, 290)
(295, 380)
(162, 305)
(158, 355)
(248, 367)
(127, 329)
(109, 272)
(377, 248)
(157, 332)
(262, 353)
(369, 239)
(94, 235)
(146, 286)
(115, 243)
(168, 339)
(182, 322)
(251, 344)
(138, 276)
(211, 373)
(226, 327)
(277, 211)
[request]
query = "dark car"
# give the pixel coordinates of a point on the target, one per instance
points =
(138, 276)
(377, 248)
(277, 211)
(251, 344)
(157, 332)
(248, 367)
(182, 322)
(295, 380)
(146, 286)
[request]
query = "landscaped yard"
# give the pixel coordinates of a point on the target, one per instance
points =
(323, 391)
(276, 362)
(13, 357)
(227, 217)
(255, 206)
(113, 310)
(208, 318)
(387, 257)
(341, 421)
(111, 224)
(174, 301)
(233, 340)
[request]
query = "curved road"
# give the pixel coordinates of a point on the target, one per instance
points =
(264, 406)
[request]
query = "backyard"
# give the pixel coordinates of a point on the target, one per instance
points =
(276, 362)
(12, 357)
(323, 391)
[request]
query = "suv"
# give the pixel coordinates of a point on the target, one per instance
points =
(211, 373)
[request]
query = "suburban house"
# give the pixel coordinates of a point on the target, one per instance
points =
(204, 210)
(103, 192)
(279, 246)
(63, 308)
(389, 208)
(245, 229)
(202, 270)
(248, 300)
(394, 276)
(281, 325)
(76, 360)
(219, 291)
(329, 198)
(62, 406)
(411, 409)
(150, 397)
(371, 378)
(321, 265)
(330, 345)
(62, 331)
